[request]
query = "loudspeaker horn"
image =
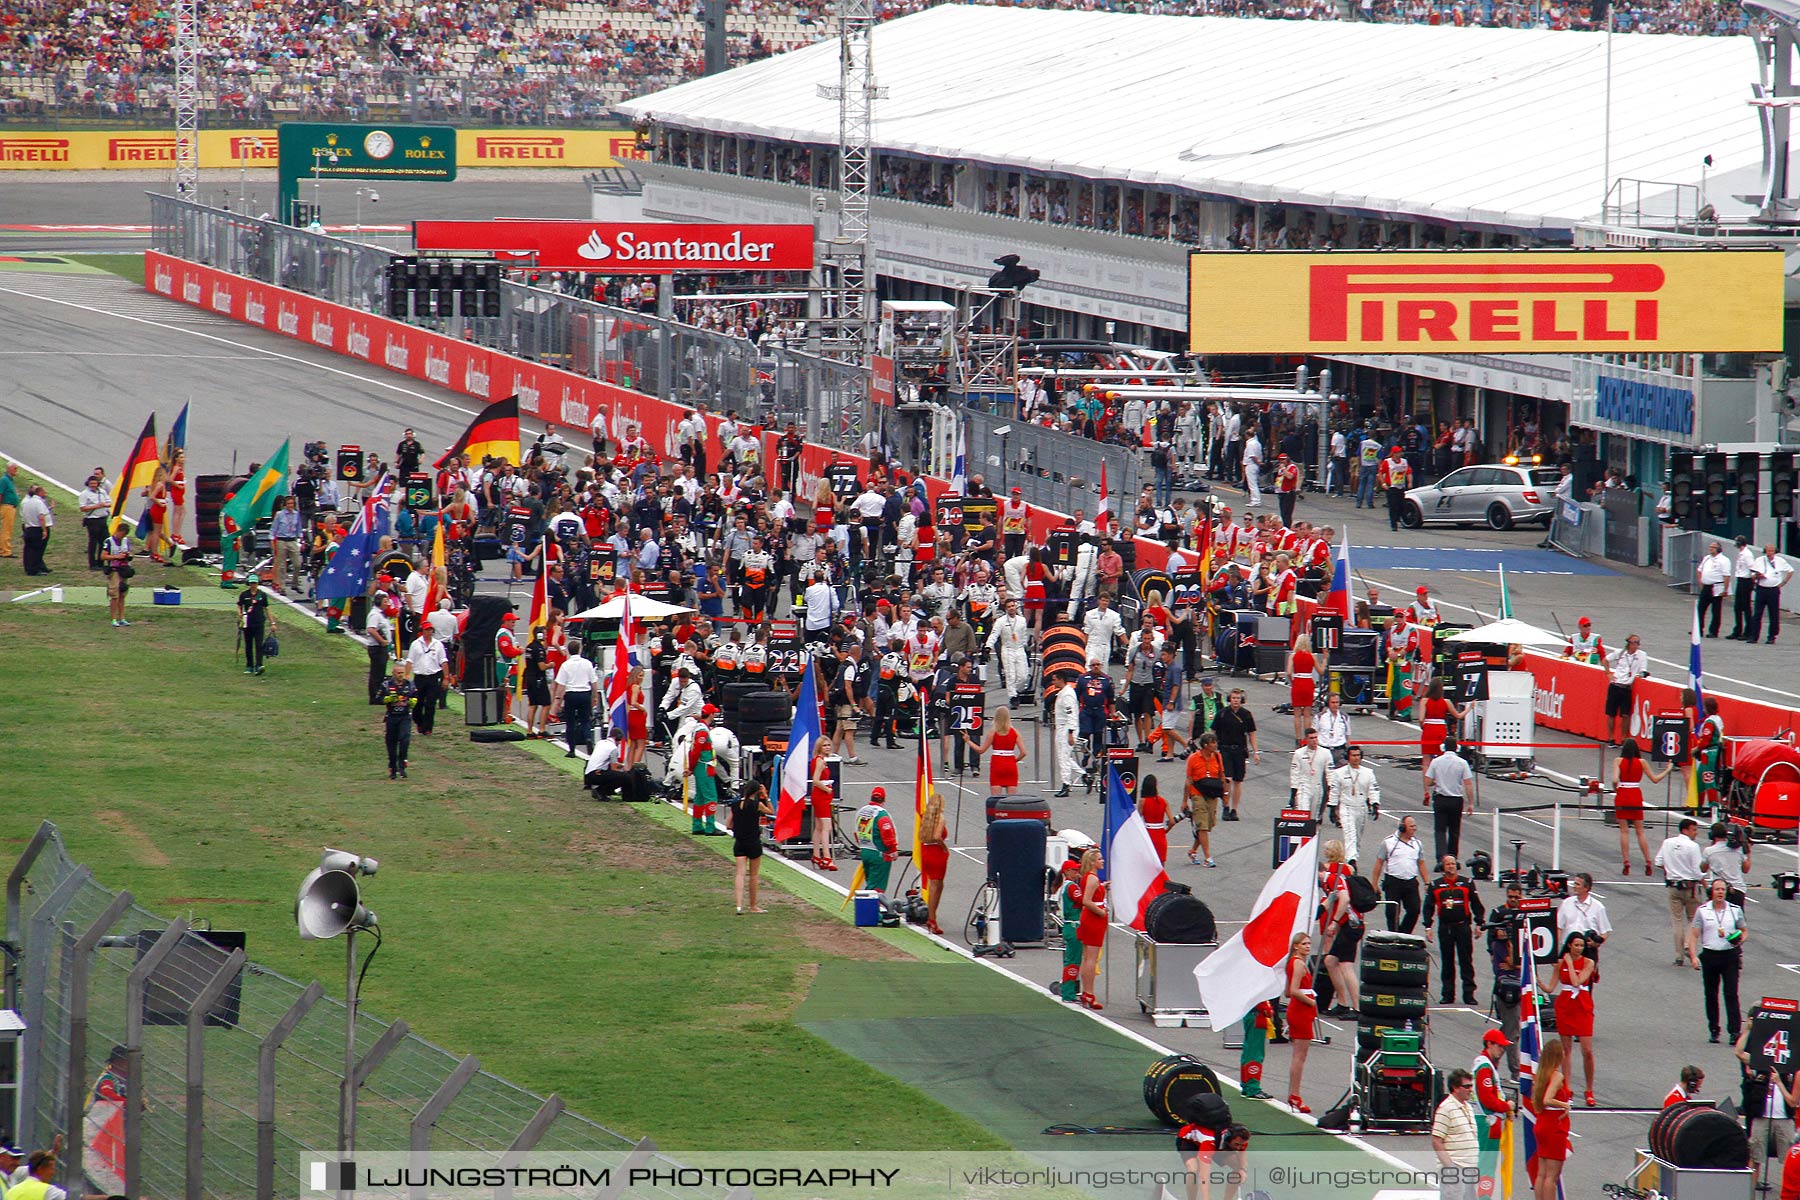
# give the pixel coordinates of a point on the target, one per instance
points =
(329, 904)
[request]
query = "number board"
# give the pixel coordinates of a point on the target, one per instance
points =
(1669, 737)
(1774, 1023)
(350, 464)
(1471, 678)
(418, 491)
(1327, 630)
(968, 703)
(1125, 760)
(1185, 591)
(396, 564)
(1540, 922)
(1062, 546)
(950, 511)
(603, 562)
(1292, 827)
(844, 483)
(787, 653)
(517, 523)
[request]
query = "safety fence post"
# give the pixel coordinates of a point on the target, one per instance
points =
(196, 1069)
(75, 980)
(135, 1083)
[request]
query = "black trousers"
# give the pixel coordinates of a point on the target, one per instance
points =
(96, 531)
(1396, 500)
(1719, 972)
(887, 712)
(37, 541)
(253, 640)
(1768, 601)
(578, 720)
(1456, 948)
(965, 755)
(1287, 500)
(425, 705)
(1743, 599)
(1716, 604)
(378, 656)
(1446, 825)
(399, 739)
(609, 782)
(1404, 897)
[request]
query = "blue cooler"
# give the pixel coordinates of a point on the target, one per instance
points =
(867, 907)
(166, 595)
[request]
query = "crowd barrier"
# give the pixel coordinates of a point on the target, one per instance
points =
(128, 150)
(547, 394)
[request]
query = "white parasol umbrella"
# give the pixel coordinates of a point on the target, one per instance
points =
(1509, 632)
(643, 608)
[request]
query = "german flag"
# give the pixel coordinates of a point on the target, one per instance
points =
(494, 433)
(140, 468)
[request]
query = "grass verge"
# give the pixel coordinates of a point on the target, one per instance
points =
(130, 266)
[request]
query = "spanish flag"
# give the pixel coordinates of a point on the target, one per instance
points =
(140, 468)
(256, 499)
(494, 433)
(921, 798)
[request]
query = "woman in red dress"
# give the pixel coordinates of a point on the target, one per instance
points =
(1550, 1097)
(1302, 1008)
(1155, 811)
(1091, 929)
(1037, 587)
(177, 496)
(1004, 752)
(1628, 773)
(1434, 726)
(1576, 975)
(934, 857)
(821, 799)
(1302, 671)
(637, 719)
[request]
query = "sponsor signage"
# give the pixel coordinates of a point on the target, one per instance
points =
(1646, 405)
(342, 151)
(588, 148)
(1451, 301)
(634, 248)
(90, 150)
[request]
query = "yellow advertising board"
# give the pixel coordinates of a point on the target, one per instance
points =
(122, 150)
(1458, 302)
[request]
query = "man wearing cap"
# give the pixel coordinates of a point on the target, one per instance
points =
(877, 843)
(1492, 1108)
(1069, 987)
(1585, 646)
(1287, 487)
(1625, 668)
(507, 654)
(1013, 521)
(1394, 476)
(1424, 612)
(254, 622)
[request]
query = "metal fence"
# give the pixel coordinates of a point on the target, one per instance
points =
(232, 1072)
(1052, 469)
(769, 382)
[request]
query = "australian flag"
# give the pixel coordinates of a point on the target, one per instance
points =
(347, 574)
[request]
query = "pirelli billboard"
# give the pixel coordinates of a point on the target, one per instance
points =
(1458, 301)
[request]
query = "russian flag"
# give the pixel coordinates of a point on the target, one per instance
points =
(796, 767)
(1134, 869)
(1338, 598)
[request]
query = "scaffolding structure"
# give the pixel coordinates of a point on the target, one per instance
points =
(187, 98)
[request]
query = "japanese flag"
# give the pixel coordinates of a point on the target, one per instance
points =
(1252, 966)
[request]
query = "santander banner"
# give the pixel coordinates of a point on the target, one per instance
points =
(640, 248)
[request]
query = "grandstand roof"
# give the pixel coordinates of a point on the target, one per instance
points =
(1483, 126)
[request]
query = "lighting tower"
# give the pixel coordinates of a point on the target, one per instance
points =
(847, 302)
(187, 98)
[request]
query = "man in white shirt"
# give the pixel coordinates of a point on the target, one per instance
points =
(868, 508)
(683, 703)
(1625, 666)
(1449, 776)
(1306, 773)
(576, 680)
(36, 515)
(443, 624)
(1743, 578)
(1582, 912)
(1682, 866)
(426, 657)
(1772, 572)
(1713, 576)
(1340, 464)
(821, 608)
(95, 503)
(1397, 875)
(1454, 1139)
(602, 775)
(1253, 457)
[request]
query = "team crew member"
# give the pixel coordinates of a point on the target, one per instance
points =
(1628, 772)
(1716, 949)
(1687, 1090)
(1680, 859)
(1503, 930)
(1094, 691)
(1394, 477)
(1205, 787)
(1065, 704)
(1236, 728)
(1576, 975)
(396, 699)
(1012, 634)
(1452, 904)
(1492, 1106)
(1582, 912)
(1448, 778)
(876, 842)
(1070, 895)
(1625, 667)
(1091, 929)
(1397, 874)
(255, 622)
(1355, 797)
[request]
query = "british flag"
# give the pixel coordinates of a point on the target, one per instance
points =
(618, 688)
(1531, 1044)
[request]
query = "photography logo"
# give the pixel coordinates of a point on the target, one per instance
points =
(331, 1176)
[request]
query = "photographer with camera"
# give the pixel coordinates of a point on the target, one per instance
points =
(1772, 1097)
(1504, 926)
(1727, 858)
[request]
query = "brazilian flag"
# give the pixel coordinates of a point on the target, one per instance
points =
(256, 499)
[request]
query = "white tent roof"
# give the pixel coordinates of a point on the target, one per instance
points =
(1508, 632)
(1485, 126)
(643, 608)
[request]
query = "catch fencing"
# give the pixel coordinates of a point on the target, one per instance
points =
(1052, 469)
(233, 1073)
(771, 382)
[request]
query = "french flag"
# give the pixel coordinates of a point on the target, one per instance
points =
(796, 768)
(1337, 600)
(1134, 869)
(618, 689)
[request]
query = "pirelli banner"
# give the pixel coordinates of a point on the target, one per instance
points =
(88, 150)
(1459, 301)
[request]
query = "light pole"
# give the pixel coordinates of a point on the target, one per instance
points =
(330, 903)
(245, 145)
(1003, 432)
(374, 198)
(319, 159)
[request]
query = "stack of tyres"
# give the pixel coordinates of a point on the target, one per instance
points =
(1064, 652)
(758, 711)
(1146, 582)
(1395, 971)
(1173, 1084)
(209, 498)
(1234, 642)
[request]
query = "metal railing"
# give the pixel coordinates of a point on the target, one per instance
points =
(231, 1072)
(770, 382)
(1052, 469)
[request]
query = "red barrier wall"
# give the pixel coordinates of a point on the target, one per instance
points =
(549, 394)
(1571, 696)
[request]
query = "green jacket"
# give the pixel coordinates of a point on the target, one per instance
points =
(9, 491)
